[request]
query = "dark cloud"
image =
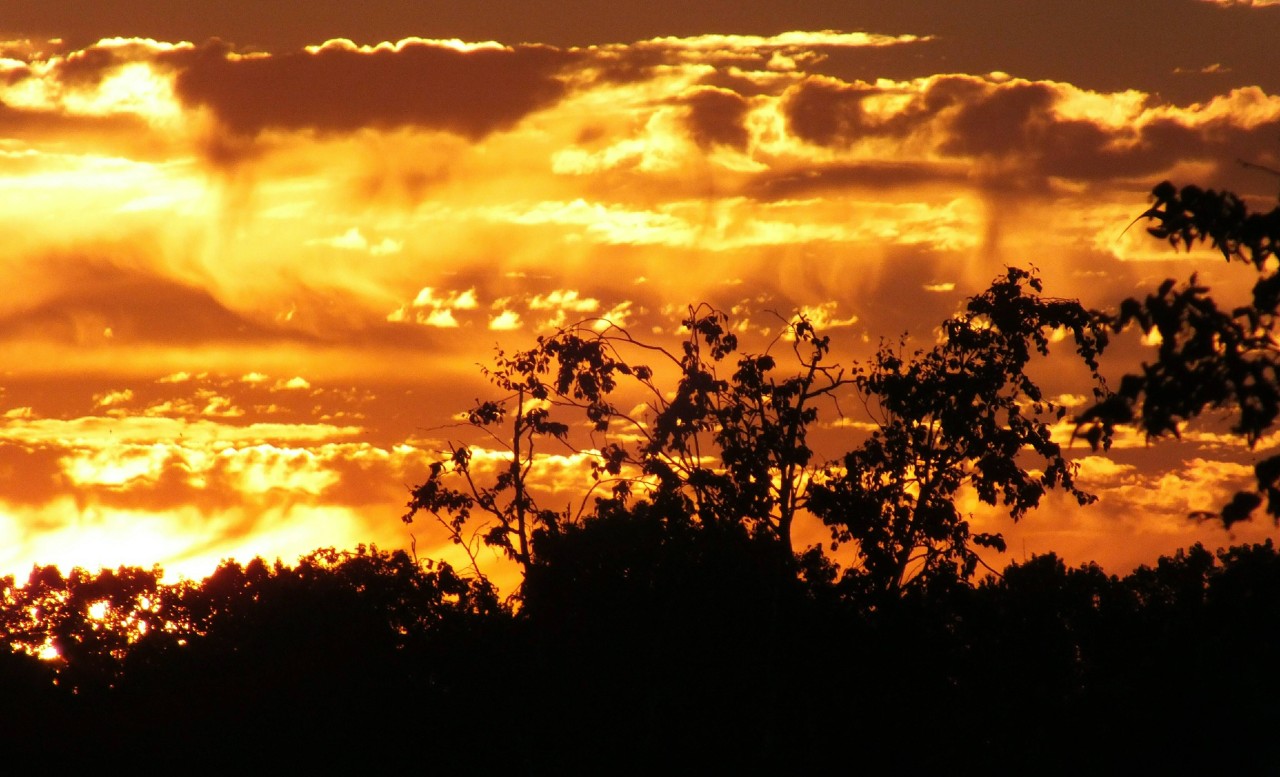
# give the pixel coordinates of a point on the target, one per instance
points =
(119, 134)
(88, 66)
(741, 84)
(825, 178)
(337, 89)
(1018, 122)
(1015, 123)
(15, 75)
(1007, 120)
(825, 112)
(715, 118)
(135, 306)
(627, 65)
(828, 112)
(1098, 44)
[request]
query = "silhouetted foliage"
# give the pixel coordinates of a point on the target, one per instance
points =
(310, 662)
(1209, 358)
(720, 449)
(727, 446)
(643, 638)
(88, 621)
(965, 412)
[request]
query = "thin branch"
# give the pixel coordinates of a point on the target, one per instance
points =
(456, 536)
(1255, 166)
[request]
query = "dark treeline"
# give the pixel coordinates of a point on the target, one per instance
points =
(636, 650)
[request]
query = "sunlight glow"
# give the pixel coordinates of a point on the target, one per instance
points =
(344, 44)
(239, 326)
(135, 88)
(789, 40)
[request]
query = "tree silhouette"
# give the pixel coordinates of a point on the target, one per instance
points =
(1209, 357)
(308, 664)
(84, 623)
(728, 445)
(721, 449)
(963, 413)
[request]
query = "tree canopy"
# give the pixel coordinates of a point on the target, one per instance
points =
(728, 444)
(1210, 357)
(629, 651)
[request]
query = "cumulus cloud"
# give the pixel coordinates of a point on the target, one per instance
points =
(139, 428)
(792, 41)
(338, 87)
(110, 398)
(505, 321)
(353, 240)
(1036, 127)
(620, 315)
(564, 299)
(435, 309)
(716, 116)
(825, 315)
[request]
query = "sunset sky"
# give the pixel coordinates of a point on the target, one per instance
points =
(255, 251)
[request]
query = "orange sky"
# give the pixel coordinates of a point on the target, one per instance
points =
(254, 258)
